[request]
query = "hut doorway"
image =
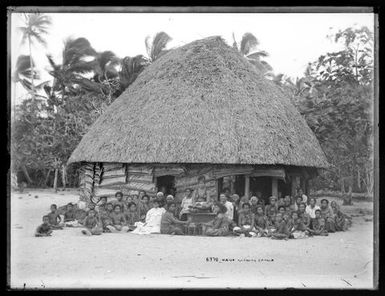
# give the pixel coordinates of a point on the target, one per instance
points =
(284, 188)
(166, 184)
(239, 186)
(261, 186)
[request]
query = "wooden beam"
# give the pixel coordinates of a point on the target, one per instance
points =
(274, 187)
(247, 186)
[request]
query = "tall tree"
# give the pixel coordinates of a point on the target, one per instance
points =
(78, 60)
(35, 26)
(340, 110)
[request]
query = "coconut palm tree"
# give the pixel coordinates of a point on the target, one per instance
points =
(78, 59)
(24, 72)
(106, 67)
(157, 47)
(35, 26)
(131, 67)
(106, 73)
(248, 48)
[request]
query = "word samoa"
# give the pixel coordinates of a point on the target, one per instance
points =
(216, 259)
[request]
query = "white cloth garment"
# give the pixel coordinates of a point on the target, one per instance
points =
(152, 224)
(186, 202)
(311, 211)
(230, 210)
(304, 198)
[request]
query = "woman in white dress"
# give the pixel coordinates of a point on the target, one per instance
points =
(152, 222)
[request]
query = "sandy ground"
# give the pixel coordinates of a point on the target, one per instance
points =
(70, 260)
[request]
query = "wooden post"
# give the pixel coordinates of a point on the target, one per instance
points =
(307, 189)
(293, 185)
(247, 186)
(274, 187)
(232, 185)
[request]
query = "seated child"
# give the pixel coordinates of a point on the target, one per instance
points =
(261, 221)
(245, 222)
(105, 216)
(120, 201)
(169, 224)
(92, 224)
(297, 228)
(135, 199)
(187, 203)
(298, 201)
(281, 201)
(244, 199)
(220, 225)
(132, 216)
(272, 204)
(282, 231)
(328, 215)
(90, 206)
(305, 217)
(45, 228)
(118, 220)
(281, 210)
(54, 218)
(253, 204)
(101, 206)
(287, 217)
(69, 216)
(144, 207)
(342, 221)
(318, 225)
(271, 222)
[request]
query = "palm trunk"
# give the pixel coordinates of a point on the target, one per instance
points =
(358, 178)
(55, 179)
(64, 176)
(25, 171)
(369, 181)
(348, 197)
(47, 177)
(32, 68)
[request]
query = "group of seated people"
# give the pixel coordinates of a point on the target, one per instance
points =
(281, 218)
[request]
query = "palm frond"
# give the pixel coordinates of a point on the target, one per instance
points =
(36, 25)
(76, 49)
(82, 67)
(235, 44)
(159, 44)
(41, 85)
(257, 55)
(267, 66)
(147, 42)
(248, 43)
(105, 59)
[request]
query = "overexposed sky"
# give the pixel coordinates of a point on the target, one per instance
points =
(291, 39)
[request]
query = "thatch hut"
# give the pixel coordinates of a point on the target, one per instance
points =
(201, 109)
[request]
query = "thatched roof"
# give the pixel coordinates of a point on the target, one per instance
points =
(201, 103)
